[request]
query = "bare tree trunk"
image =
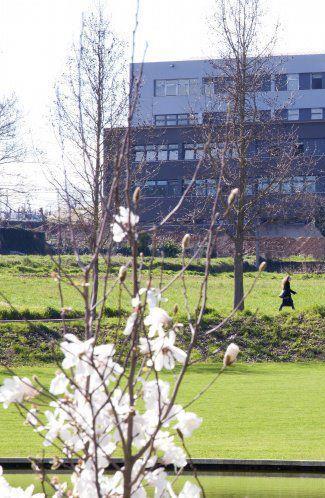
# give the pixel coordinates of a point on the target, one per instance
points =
(257, 244)
(239, 274)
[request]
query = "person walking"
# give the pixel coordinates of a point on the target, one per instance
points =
(286, 293)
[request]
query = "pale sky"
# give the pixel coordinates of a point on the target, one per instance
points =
(35, 36)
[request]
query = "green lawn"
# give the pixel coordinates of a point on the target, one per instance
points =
(270, 411)
(37, 292)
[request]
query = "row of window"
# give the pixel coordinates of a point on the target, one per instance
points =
(192, 152)
(176, 119)
(316, 113)
(207, 187)
(175, 152)
(219, 84)
(292, 185)
(162, 188)
(300, 81)
(302, 114)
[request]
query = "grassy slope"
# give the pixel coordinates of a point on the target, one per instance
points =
(37, 292)
(253, 411)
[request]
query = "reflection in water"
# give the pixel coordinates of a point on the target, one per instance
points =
(229, 485)
(246, 485)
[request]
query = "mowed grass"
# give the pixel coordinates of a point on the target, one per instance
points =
(268, 411)
(37, 292)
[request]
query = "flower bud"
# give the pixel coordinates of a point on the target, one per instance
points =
(230, 355)
(136, 196)
(186, 241)
(232, 196)
(122, 273)
(262, 266)
(175, 310)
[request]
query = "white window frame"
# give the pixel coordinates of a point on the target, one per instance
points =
(292, 82)
(293, 114)
(317, 113)
(175, 87)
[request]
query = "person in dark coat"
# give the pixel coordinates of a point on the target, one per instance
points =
(286, 294)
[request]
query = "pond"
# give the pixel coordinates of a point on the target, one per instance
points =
(222, 485)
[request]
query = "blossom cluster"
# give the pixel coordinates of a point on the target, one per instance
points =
(89, 410)
(124, 221)
(8, 491)
(96, 407)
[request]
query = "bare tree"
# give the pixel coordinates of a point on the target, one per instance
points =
(91, 98)
(11, 149)
(260, 150)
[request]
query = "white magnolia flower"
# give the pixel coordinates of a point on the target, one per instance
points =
(60, 490)
(56, 426)
(86, 391)
(174, 455)
(190, 490)
(130, 324)
(7, 491)
(157, 320)
(158, 479)
(15, 390)
(187, 422)
(73, 349)
(31, 417)
(166, 353)
(59, 384)
(153, 296)
(123, 222)
(231, 354)
(136, 301)
(115, 484)
(155, 394)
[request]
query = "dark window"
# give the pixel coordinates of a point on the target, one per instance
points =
(221, 84)
(265, 84)
(214, 85)
(316, 81)
(201, 188)
(280, 82)
(288, 185)
(214, 118)
(156, 188)
(320, 185)
(175, 119)
(174, 187)
(299, 148)
(304, 81)
(314, 146)
(150, 153)
(265, 115)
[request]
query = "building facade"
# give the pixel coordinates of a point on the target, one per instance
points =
(178, 98)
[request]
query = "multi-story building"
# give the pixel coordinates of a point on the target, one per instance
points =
(178, 97)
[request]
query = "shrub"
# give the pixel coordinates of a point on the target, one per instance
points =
(170, 249)
(144, 243)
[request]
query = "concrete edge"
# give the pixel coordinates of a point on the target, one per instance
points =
(201, 464)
